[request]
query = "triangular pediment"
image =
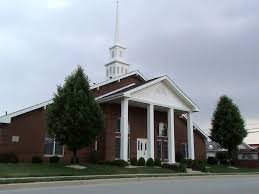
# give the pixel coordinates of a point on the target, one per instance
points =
(161, 93)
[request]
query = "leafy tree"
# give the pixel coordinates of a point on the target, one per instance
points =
(228, 127)
(74, 118)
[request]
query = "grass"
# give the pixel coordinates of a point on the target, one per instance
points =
(226, 169)
(42, 170)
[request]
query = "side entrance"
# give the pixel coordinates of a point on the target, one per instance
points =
(142, 148)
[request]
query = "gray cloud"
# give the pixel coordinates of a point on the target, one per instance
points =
(209, 48)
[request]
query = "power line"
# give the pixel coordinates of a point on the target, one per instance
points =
(253, 124)
(256, 128)
(253, 132)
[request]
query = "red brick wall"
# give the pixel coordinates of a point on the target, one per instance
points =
(117, 84)
(31, 128)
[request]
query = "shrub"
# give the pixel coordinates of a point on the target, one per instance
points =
(36, 159)
(157, 162)
(54, 159)
(212, 160)
(95, 157)
(179, 157)
(222, 157)
(104, 162)
(121, 163)
(175, 167)
(198, 165)
(182, 168)
(187, 162)
(134, 161)
(141, 161)
(8, 158)
(150, 162)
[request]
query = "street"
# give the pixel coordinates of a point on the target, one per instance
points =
(176, 185)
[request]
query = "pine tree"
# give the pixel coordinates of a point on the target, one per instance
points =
(74, 118)
(228, 126)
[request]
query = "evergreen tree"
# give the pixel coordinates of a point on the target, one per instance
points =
(228, 127)
(74, 118)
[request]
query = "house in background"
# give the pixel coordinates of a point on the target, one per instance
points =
(149, 118)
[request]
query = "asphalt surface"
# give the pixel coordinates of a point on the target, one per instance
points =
(177, 185)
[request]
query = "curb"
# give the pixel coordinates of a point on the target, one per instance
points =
(4, 181)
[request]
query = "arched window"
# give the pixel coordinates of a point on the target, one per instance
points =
(162, 129)
(113, 68)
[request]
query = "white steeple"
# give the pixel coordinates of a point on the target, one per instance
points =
(116, 66)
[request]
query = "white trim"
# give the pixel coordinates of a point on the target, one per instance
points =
(7, 118)
(198, 128)
(114, 91)
(118, 78)
(180, 93)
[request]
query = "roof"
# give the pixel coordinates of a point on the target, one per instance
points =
(7, 118)
(119, 78)
(147, 83)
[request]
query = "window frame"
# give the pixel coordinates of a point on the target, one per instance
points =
(54, 148)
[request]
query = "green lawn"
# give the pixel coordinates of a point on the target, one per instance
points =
(27, 170)
(226, 169)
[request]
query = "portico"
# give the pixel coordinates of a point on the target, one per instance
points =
(150, 146)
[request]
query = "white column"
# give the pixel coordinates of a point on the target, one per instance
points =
(124, 129)
(171, 141)
(150, 131)
(190, 136)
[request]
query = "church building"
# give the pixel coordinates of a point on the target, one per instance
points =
(149, 118)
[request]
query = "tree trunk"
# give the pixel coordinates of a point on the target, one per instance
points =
(74, 158)
(229, 156)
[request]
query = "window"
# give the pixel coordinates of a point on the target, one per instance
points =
(117, 147)
(165, 150)
(126, 70)
(52, 147)
(120, 53)
(110, 70)
(107, 72)
(118, 69)
(121, 69)
(113, 68)
(159, 150)
(112, 54)
(118, 125)
(162, 129)
(185, 150)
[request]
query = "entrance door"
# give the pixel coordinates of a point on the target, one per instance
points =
(142, 148)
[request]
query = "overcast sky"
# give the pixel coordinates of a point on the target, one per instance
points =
(208, 47)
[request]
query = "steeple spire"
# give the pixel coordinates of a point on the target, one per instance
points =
(116, 66)
(117, 35)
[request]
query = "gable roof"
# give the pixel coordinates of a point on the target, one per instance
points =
(118, 78)
(148, 83)
(7, 118)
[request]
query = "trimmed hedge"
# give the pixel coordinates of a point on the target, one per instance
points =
(179, 157)
(175, 167)
(54, 159)
(198, 165)
(134, 162)
(157, 162)
(187, 162)
(121, 163)
(150, 162)
(36, 159)
(212, 160)
(8, 158)
(141, 162)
